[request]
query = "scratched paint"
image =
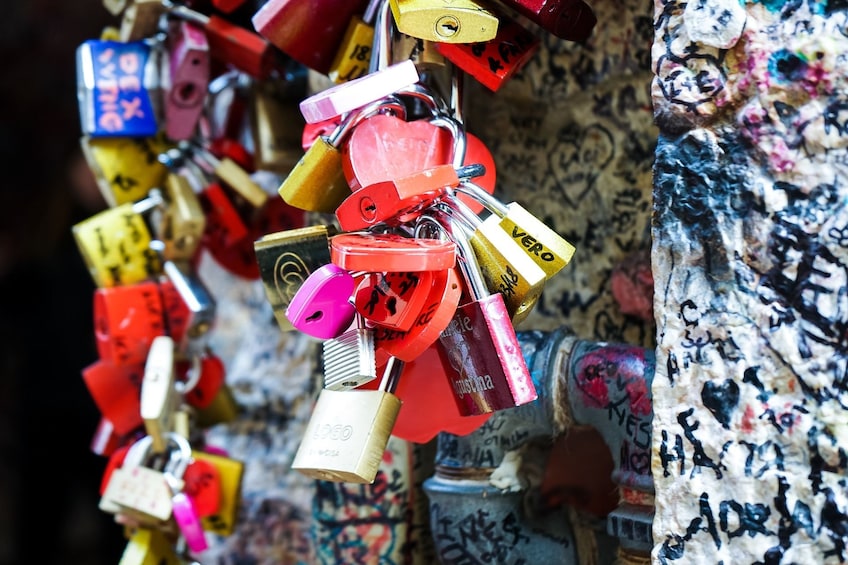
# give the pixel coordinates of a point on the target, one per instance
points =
(749, 262)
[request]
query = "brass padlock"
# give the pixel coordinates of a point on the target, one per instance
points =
(317, 182)
(446, 21)
(285, 260)
(276, 123)
(347, 434)
(149, 546)
(223, 409)
(183, 220)
(158, 392)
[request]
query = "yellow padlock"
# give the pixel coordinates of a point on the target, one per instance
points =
(183, 222)
(149, 546)
(125, 168)
(115, 244)
(353, 59)
(276, 123)
(223, 409)
(231, 472)
(445, 21)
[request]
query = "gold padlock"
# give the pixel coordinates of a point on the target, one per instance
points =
(286, 259)
(159, 393)
(231, 472)
(125, 168)
(183, 221)
(149, 546)
(233, 175)
(115, 244)
(353, 58)
(446, 21)
(276, 123)
(223, 409)
(348, 431)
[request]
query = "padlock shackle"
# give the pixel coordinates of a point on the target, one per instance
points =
(467, 260)
(354, 118)
(391, 374)
(479, 194)
(381, 47)
(459, 139)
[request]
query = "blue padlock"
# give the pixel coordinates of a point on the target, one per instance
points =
(116, 82)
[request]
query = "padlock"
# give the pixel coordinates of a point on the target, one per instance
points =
(116, 89)
(210, 378)
(125, 168)
(293, 25)
(317, 182)
(231, 472)
(141, 19)
(228, 6)
(232, 174)
(506, 268)
(353, 58)
(159, 398)
(189, 522)
(321, 307)
(438, 310)
(358, 93)
(393, 299)
(222, 410)
(481, 344)
(199, 301)
(492, 63)
(388, 252)
(311, 132)
(149, 546)
(127, 319)
(446, 21)
(231, 43)
(222, 217)
(347, 433)
(573, 20)
(188, 68)
(183, 221)
(115, 244)
(275, 123)
(542, 244)
(115, 390)
(106, 440)
(349, 359)
(202, 483)
(423, 53)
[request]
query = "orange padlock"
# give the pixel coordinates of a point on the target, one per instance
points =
(126, 320)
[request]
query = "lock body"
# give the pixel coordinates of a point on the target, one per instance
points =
(448, 21)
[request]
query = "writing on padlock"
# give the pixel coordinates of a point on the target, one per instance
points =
(481, 345)
(346, 435)
(127, 319)
(394, 299)
(353, 57)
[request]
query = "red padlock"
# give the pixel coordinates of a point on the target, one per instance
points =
(573, 20)
(116, 391)
(126, 320)
(204, 377)
(393, 300)
(202, 484)
(386, 252)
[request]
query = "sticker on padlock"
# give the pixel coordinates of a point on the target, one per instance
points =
(349, 359)
(446, 21)
(355, 94)
(503, 262)
(189, 64)
(115, 390)
(125, 168)
(388, 252)
(293, 25)
(115, 244)
(126, 321)
(230, 472)
(542, 244)
(434, 318)
(494, 62)
(231, 43)
(321, 307)
(573, 20)
(115, 81)
(353, 57)
(317, 182)
(348, 431)
(393, 300)
(159, 397)
(481, 345)
(149, 546)
(285, 260)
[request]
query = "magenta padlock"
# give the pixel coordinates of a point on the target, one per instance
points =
(480, 343)
(189, 72)
(322, 306)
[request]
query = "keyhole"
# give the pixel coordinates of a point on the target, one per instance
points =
(447, 26)
(367, 209)
(315, 316)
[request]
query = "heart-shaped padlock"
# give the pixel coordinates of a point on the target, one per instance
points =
(393, 299)
(321, 307)
(388, 252)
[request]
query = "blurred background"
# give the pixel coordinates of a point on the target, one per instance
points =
(49, 477)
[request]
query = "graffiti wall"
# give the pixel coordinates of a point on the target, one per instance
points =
(749, 261)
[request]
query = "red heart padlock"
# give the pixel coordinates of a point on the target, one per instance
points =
(205, 385)
(393, 300)
(386, 252)
(203, 485)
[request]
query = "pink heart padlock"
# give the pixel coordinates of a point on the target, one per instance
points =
(322, 306)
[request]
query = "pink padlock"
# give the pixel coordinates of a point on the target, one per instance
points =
(189, 72)
(359, 92)
(322, 306)
(187, 519)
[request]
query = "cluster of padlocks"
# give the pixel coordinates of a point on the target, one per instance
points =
(184, 106)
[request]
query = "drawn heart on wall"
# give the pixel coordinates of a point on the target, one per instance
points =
(721, 400)
(578, 158)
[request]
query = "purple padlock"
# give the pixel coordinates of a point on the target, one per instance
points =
(322, 306)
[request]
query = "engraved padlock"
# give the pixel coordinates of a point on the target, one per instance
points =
(349, 359)
(504, 265)
(543, 245)
(285, 260)
(116, 83)
(447, 21)
(481, 345)
(348, 432)
(317, 182)
(115, 243)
